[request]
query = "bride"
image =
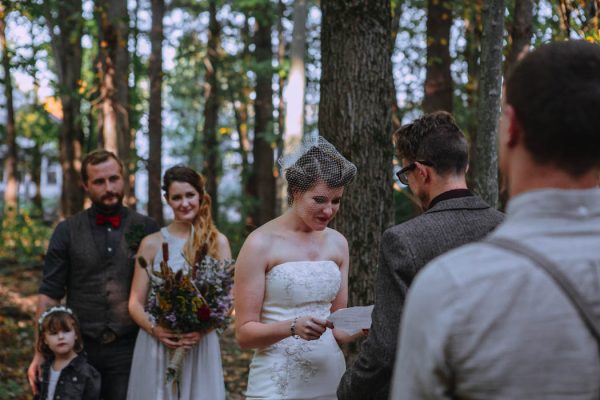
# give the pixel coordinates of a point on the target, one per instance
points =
(290, 275)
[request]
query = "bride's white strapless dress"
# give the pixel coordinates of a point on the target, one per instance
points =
(294, 368)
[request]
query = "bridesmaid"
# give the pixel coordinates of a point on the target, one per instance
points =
(202, 374)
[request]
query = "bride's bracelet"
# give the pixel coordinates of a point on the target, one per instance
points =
(293, 328)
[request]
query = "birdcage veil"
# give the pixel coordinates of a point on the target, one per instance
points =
(312, 161)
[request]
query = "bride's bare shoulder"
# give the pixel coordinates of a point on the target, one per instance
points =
(262, 237)
(336, 238)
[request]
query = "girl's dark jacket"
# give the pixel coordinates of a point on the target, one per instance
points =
(77, 381)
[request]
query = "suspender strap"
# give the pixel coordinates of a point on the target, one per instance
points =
(559, 278)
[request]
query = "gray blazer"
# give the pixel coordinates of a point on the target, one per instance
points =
(405, 249)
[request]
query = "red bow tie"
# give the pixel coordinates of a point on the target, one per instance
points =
(114, 220)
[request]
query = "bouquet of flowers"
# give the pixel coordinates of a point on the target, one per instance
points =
(196, 298)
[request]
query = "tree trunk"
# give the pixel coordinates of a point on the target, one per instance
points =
(66, 28)
(438, 80)
(473, 32)
(36, 177)
(155, 208)
(564, 13)
(396, 115)
(262, 181)
(212, 161)
(355, 115)
(520, 41)
(294, 93)
(113, 70)
(486, 148)
(240, 100)
(11, 190)
(280, 84)
(135, 100)
(520, 33)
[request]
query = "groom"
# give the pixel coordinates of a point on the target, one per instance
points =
(90, 260)
(434, 153)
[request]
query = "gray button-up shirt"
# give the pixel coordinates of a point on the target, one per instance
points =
(483, 323)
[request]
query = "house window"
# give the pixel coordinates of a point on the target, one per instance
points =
(51, 177)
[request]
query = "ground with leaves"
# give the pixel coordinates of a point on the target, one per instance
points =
(18, 288)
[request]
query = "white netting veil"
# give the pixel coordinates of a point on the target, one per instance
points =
(315, 160)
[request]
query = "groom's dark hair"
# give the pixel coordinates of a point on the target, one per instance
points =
(555, 92)
(435, 138)
(98, 157)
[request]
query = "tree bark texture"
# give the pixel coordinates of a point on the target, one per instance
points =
(472, 52)
(66, 28)
(485, 157)
(113, 70)
(355, 115)
(396, 114)
(11, 189)
(262, 180)
(212, 161)
(438, 80)
(281, 44)
(36, 177)
(520, 33)
(294, 93)
(240, 96)
(155, 208)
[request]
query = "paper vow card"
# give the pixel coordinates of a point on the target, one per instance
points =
(353, 319)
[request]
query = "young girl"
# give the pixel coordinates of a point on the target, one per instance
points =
(65, 373)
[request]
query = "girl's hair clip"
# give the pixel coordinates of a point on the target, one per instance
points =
(51, 310)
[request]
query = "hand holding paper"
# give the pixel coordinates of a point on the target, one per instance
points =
(353, 319)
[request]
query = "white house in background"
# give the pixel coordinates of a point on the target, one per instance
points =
(50, 178)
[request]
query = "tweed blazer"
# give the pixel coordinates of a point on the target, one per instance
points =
(405, 249)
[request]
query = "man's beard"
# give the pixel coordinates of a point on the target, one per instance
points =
(109, 209)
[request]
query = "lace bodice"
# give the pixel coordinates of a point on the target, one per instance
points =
(299, 288)
(294, 368)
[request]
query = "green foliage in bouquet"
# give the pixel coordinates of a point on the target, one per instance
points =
(193, 299)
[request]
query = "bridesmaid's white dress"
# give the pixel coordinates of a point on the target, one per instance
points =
(201, 374)
(294, 368)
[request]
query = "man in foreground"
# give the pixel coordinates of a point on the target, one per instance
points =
(486, 321)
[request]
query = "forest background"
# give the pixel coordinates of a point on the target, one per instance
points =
(227, 87)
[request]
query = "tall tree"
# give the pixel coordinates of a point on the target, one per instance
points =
(113, 71)
(438, 80)
(65, 25)
(294, 93)
(238, 92)
(11, 195)
(355, 115)
(472, 52)
(281, 78)
(262, 180)
(155, 209)
(396, 115)
(212, 162)
(521, 32)
(485, 158)
(136, 99)
(36, 151)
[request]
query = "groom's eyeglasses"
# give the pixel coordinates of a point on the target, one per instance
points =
(403, 173)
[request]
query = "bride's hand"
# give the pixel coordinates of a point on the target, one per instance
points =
(310, 328)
